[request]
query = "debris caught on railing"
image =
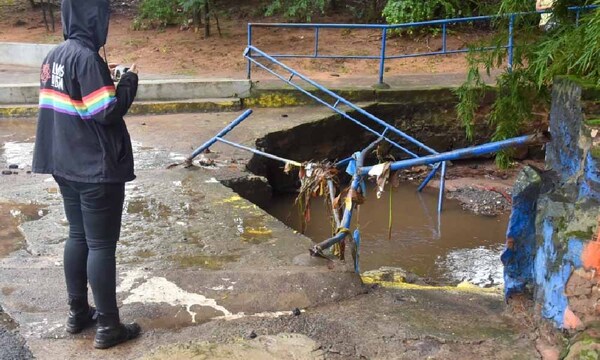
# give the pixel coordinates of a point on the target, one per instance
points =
(314, 182)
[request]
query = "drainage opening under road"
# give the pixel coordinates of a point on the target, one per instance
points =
(448, 249)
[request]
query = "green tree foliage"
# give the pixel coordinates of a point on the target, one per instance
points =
(162, 13)
(362, 10)
(299, 10)
(159, 13)
(538, 57)
(306, 10)
(405, 11)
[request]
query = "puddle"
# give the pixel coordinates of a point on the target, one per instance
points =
(211, 262)
(150, 209)
(252, 229)
(11, 216)
(146, 157)
(462, 246)
(19, 153)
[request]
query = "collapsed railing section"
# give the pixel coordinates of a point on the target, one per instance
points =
(353, 197)
(358, 171)
(385, 134)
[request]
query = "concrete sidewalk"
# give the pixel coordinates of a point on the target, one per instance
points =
(20, 85)
(158, 95)
(13, 74)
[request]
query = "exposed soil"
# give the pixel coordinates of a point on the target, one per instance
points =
(174, 51)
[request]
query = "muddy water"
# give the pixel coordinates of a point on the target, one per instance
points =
(11, 216)
(461, 246)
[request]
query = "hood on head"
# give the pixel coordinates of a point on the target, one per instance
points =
(86, 20)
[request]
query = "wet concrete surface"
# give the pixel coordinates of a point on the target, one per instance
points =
(197, 262)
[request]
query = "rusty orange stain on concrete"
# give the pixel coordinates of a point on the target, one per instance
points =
(571, 321)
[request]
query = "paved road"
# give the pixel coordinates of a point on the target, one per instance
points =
(12, 345)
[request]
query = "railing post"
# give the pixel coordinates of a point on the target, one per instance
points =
(442, 187)
(444, 38)
(249, 65)
(511, 26)
(577, 15)
(316, 42)
(381, 84)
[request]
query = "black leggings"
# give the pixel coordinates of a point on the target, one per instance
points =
(94, 214)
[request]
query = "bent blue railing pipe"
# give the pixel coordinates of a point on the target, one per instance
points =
(384, 28)
(469, 152)
(428, 178)
(340, 100)
(258, 152)
(332, 107)
(221, 133)
(225, 131)
(442, 188)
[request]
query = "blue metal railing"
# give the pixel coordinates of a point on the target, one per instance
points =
(384, 28)
(385, 134)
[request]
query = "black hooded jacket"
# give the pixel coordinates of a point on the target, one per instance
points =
(81, 135)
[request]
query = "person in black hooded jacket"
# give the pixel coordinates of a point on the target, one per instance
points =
(83, 142)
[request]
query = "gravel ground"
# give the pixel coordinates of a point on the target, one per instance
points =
(482, 201)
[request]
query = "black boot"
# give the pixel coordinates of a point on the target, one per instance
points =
(81, 315)
(111, 332)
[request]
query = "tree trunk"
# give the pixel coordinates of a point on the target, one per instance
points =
(218, 25)
(206, 19)
(43, 5)
(51, 11)
(216, 16)
(197, 19)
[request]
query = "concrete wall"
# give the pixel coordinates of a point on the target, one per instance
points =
(553, 244)
(186, 89)
(24, 54)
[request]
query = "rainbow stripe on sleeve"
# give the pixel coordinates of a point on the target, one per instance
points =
(85, 108)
